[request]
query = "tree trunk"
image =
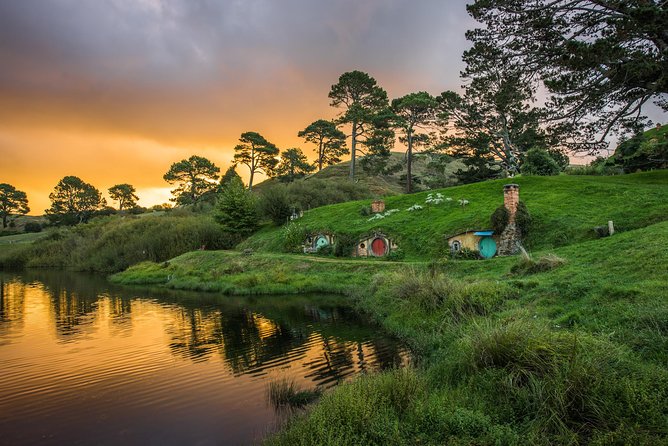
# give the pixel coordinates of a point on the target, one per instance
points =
(353, 144)
(252, 168)
(409, 162)
(4, 221)
(321, 155)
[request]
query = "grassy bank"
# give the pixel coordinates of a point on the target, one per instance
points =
(232, 272)
(573, 351)
(565, 209)
(568, 347)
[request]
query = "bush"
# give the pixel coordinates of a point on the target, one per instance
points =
(523, 219)
(293, 236)
(539, 162)
(499, 219)
(344, 244)
(32, 227)
(275, 204)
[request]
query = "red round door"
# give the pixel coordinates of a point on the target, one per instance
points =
(379, 247)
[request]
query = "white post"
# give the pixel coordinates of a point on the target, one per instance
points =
(611, 228)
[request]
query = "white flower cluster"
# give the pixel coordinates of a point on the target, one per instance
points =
(463, 202)
(437, 198)
(383, 215)
(415, 207)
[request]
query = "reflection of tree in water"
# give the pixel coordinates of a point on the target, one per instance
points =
(334, 365)
(72, 311)
(12, 305)
(195, 333)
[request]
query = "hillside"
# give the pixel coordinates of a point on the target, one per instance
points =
(567, 347)
(390, 184)
(564, 209)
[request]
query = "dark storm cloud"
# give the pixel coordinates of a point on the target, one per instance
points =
(132, 45)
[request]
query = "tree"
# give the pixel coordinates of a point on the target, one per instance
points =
(413, 111)
(74, 201)
(293, 164)
(494, 119)
(195, 179)
(540, 162)
(257, 153)
(12, 201)
(236, 209)
(329, 140)
(601, 61)
(228, 176)
(125, 195)
(362, 98)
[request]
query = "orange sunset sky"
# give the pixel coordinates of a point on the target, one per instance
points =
(114, 91)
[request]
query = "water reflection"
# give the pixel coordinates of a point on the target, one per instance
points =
(72, 345)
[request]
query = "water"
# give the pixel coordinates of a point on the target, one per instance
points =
(83, 362)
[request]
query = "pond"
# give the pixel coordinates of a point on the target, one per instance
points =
(86, 362)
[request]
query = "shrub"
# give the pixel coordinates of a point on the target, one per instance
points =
(499, 219)
(293, 236)
(540, 162)
(32, 227)
(344, 244)
(523, 219)
(275, 204)
(365, 211)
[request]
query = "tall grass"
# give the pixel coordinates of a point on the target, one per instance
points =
(112, 244)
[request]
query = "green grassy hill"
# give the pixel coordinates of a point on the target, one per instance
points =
(564, 209)
(382, 185)
(569, 346)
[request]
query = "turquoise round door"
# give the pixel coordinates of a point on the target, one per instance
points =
(487, 247)
(321, 242)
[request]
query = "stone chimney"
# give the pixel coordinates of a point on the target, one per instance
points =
(509, 239)
(377, 206)
(511, 198)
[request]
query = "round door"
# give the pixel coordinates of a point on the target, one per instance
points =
(487, 247)
(321, 242)
(379, 247)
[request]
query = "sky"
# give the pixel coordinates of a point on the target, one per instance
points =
(115, 91)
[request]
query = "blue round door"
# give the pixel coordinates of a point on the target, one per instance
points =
(487, 247)
(321, 242)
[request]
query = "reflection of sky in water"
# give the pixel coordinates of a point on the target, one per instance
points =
(81, 362)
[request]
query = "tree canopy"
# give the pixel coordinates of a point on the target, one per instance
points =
(12, 202)
(293, 165)
(195, 178)
(125, 195)
(258, 154)
(362, 100)
(413, 111)
(601, 61)
(330, 141)
(74, 201)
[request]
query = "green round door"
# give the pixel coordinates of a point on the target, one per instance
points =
(487, 247)
(321, 242)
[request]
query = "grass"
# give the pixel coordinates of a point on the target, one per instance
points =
(284, 392)
(232, 272)
(565, 209)
(572, 354)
